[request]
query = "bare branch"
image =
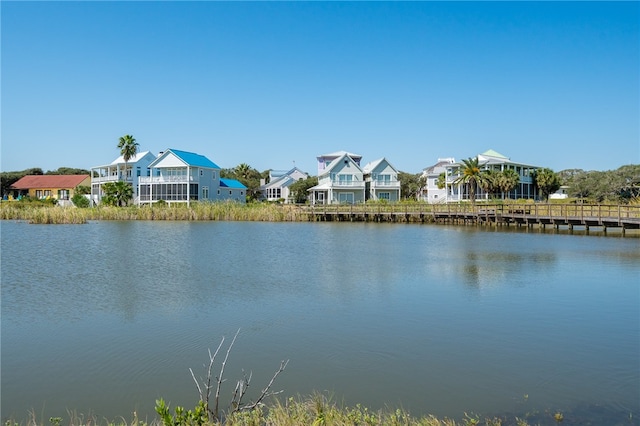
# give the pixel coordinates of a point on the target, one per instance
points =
(220, 377)
(265, 391)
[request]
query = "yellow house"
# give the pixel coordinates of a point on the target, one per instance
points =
(59, 187)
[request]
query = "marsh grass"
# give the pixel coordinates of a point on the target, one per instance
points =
(314, 410)
(224, 211)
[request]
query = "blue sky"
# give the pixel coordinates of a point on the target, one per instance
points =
(552, 84)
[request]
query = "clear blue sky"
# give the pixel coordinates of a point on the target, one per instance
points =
(269, 83)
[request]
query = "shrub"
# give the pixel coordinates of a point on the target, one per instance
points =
(80, 200)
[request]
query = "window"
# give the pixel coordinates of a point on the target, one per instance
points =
(205, 192)
(63, 194)
(384, 196)
(201, 172)
(383, 179)
(38, 193)
(345, 197)
(47, 193)
(213, 175)
(345, 179)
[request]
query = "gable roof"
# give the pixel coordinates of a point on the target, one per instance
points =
(49, 181)
(369, 167)
(281, 178)
(492, 153)
(135, 158)
(338, 160)
(340, 154)
(231, 183)
(188, 158)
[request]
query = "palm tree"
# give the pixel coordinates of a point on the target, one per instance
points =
(243, 171)
(546, 181)
(128, 149)
(117, 193)
(507, 180)
(471, 176)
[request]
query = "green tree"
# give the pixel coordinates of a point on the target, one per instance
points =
(68, 171)
(9, 178)
(128, 149)
(471, 176)
(117, 193)
(83, 189)
(248, 176)
(299, 189)
(80, 200)
(546, 181)
(411, 184)
(442, 180)
(489, 182)
(506, 181)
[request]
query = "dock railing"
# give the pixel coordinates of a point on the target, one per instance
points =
(587, 214)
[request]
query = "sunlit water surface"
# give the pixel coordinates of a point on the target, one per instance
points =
(105, 318)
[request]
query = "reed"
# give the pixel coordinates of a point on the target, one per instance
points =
(316, 409)
(223, 211)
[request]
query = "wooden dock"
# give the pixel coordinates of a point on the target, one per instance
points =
(623, 217)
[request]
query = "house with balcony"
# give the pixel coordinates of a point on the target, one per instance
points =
(181, 177)
(340, 179)
(431, 193)
(119, 170)
(496, 162)
(58, 187)
(277, 189)
(381, 181)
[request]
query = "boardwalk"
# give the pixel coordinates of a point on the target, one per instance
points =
(556, 215)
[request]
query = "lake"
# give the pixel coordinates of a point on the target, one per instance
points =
(105, 318)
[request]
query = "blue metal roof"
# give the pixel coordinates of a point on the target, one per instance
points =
(231, 183)
(193, 159)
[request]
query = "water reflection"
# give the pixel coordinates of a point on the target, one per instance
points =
(360, 309)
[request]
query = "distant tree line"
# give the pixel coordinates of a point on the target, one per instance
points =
(616, 186)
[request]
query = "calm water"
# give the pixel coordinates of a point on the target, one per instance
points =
(106, 317)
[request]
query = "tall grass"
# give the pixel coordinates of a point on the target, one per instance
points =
(229, 211)
(314, 410)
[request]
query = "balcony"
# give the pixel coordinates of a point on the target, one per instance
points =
(166, 179)
(110, 178)
(394, 184)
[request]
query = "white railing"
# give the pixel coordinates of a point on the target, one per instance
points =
(347, 184)
(390, 184)
(110, 178)
(166, 179)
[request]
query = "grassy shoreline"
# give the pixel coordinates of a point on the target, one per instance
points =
(320, 410)
(40, 214)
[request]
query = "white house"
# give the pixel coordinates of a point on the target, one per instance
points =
(181, 177)
(430, 192)
(279, 183)
(340, 179)
(561, 194)
(491, 160)
(136, 167)
(381, 181)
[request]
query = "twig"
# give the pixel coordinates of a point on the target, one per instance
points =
(265, 391)
(220, 378)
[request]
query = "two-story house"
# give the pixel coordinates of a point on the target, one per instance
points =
(278, 186)
(431, 192)
(340, 179)
(496, 162)
(118, 170)
(381, 181)
(181, 177)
